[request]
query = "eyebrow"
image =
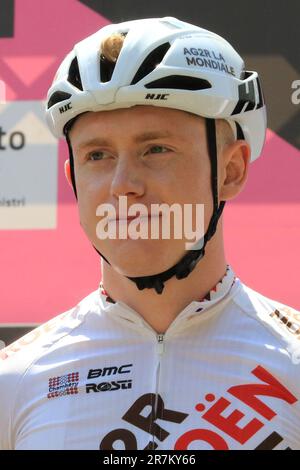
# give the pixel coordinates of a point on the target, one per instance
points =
(140, 138)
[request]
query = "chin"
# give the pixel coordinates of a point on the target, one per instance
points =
(137, 258)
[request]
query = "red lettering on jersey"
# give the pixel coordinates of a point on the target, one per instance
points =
(3, 355)
(247, 392)
(217, 442)
(53, 323)
(229, 424)
(31, 337)
(7, 352)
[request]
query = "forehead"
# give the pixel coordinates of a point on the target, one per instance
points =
(135, 120)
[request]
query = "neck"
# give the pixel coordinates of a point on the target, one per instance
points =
(159, 311)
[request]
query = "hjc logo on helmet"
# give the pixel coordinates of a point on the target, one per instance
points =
(157, 96)
(65, 108)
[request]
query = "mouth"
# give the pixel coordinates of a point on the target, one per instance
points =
(134, 217)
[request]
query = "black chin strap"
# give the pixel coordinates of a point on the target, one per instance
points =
(188, 262)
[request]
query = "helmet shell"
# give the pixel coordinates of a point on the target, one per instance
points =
(163, 62)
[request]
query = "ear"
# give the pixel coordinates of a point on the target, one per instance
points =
(235, 160)
(68, 172)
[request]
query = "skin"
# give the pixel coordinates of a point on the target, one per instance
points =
(153, 155)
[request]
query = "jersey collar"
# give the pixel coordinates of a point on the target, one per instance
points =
(215, 295)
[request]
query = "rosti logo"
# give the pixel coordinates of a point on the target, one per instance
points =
(109, 386)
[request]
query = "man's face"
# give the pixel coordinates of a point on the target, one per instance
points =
(151, 155)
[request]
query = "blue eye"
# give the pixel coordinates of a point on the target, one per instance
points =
(95, 155)
(158, 149)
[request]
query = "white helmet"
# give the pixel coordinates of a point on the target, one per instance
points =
(163, 62)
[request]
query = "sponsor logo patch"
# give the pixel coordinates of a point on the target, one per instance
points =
(63, 385)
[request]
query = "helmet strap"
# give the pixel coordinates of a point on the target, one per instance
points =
(71, 160)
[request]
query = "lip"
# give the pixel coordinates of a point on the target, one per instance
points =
(133, 217)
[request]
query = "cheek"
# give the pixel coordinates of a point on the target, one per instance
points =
(193, 186)
(191, 183)
(91, 193)
(90, 185)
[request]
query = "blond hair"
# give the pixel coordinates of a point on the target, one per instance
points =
(111, 46)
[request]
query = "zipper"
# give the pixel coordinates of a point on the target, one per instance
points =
(160, 344)
(160, 351)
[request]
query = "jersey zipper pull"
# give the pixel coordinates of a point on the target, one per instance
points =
(160, 343)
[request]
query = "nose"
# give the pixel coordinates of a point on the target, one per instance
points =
(127, 179)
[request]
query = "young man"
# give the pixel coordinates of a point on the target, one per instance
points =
(173, 351)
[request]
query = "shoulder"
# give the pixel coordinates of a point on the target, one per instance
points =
(279, 320)
(40, 339)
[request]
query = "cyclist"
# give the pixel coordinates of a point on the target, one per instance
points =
(172, 351)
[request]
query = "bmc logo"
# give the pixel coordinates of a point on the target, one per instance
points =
(109, 386)
(65, 108)
(95, 373)
(157, 96)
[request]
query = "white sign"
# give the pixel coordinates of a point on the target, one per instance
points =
(28, 168)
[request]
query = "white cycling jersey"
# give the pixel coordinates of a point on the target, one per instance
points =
(225, 375)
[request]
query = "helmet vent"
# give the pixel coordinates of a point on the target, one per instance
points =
(57, 97)
(74, 74)
(111, 48)
(180, 82)
(106, 69)
(151, 62)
